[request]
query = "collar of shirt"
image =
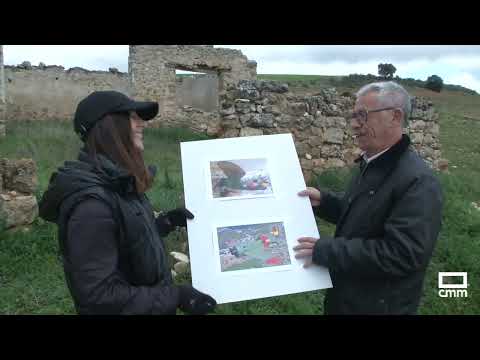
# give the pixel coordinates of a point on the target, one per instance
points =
(368, 159)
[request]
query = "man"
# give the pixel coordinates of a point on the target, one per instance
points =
(387, 221)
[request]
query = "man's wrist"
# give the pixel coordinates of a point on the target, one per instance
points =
(319, 255)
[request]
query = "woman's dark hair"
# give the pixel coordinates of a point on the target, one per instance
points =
(112, 137)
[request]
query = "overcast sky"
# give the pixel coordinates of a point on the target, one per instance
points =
(454, 64)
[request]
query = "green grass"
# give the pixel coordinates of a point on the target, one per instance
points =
(31, 274)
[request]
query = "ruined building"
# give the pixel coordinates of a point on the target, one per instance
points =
(152, 70)
(248, 107)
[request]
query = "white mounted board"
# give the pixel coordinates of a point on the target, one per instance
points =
(248, 217)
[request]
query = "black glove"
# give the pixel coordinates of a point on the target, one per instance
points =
(194, 302)
(170, 220)
(179, 216)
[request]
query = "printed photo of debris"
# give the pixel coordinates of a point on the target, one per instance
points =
(252, 246)
(237, 178)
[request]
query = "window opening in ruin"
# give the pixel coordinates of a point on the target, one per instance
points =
(198, 90)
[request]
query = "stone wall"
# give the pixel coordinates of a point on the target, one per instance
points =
(424, 131)
(51, 92)
(317, 123)
(18, 184)
(152, 70)
(3, 109)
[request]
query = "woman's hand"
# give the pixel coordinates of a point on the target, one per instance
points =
(179, 216)
(167, 222)
(194, 302)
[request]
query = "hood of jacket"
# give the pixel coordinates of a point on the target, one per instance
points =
(78, 175)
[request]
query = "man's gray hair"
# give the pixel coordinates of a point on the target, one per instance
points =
(390, 94)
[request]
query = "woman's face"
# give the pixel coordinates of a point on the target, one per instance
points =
(137, 130)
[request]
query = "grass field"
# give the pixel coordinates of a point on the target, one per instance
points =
(31, 276)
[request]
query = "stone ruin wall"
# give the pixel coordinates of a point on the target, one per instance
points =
(152, 70)
(18, 185)
(51, 92)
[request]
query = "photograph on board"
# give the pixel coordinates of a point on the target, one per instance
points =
(240, 178)
(252, 246)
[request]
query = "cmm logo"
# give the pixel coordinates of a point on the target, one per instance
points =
(452, 290)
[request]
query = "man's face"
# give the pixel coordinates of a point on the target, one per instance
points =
(374, 134)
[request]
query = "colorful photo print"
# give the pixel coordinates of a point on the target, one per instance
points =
(237, 178)
(252, 246)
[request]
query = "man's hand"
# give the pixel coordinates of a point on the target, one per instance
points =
(305, 250)
(313, 194)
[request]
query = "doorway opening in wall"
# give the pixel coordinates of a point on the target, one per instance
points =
(197, 89)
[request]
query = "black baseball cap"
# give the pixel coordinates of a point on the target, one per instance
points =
(100, 103)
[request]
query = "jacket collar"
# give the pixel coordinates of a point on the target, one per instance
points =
(391, 156)
(114, 176)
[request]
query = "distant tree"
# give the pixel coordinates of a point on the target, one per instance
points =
(386, 70)
(434, 83)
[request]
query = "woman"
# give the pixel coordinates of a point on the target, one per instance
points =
(115, 261)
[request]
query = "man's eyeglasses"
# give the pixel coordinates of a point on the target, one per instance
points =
(362, 115)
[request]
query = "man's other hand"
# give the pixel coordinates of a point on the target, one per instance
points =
(305, 250)
(313, 194)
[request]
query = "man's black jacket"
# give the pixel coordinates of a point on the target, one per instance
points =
(114, 258)
(387, 224)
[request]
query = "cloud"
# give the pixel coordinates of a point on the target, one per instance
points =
(465, 79)
(354, 53)
(305, 68)
(466, 62)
